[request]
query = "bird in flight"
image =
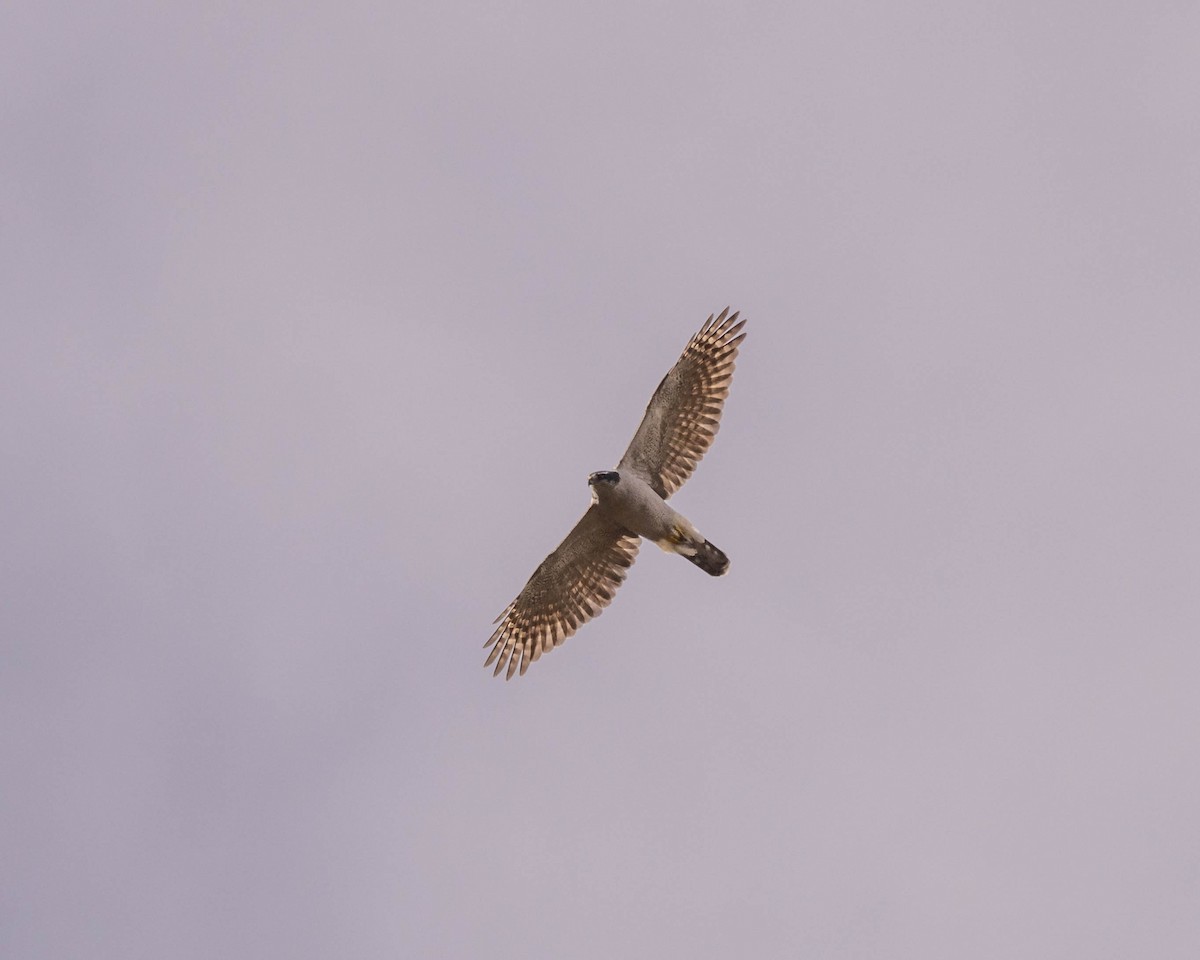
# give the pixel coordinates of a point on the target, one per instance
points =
(578, 580)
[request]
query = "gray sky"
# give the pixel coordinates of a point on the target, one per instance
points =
(314, 323)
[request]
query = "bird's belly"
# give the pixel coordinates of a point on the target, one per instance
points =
(650, 520)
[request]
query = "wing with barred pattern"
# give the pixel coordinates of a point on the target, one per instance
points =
(685, 412)
(570, 587)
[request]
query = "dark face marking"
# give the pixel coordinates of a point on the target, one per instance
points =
(603, 476)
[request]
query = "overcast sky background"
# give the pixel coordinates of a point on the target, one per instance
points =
(314, 323)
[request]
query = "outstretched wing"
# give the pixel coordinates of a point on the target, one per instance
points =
(572, 585)
(685, 412)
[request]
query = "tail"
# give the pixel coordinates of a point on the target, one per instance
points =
(710, 559)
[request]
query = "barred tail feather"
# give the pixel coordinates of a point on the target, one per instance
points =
(710, 559)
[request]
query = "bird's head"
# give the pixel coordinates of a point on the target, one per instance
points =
(602, 480)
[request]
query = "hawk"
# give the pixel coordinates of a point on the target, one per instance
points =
(578, 580)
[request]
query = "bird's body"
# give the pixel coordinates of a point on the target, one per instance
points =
(631, 502)
(579, 578)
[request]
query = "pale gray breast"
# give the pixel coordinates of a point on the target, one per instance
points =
(634, 504)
